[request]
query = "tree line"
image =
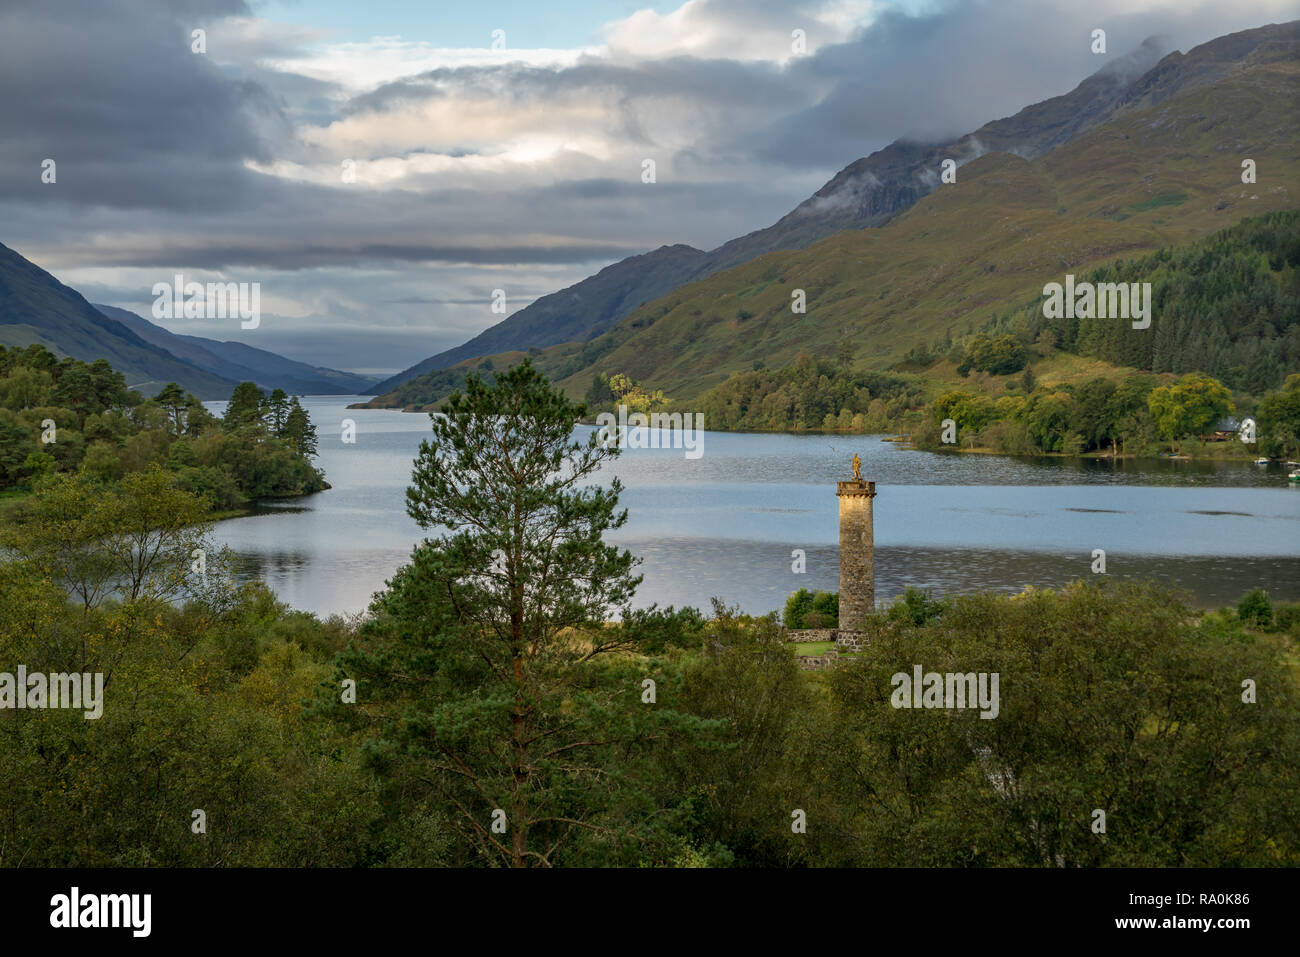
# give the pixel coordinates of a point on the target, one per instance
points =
(811, 393)
(1227, 306)
(1133, 415)
(62, 415)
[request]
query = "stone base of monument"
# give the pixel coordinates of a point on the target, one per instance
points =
(845, 642)
(851, 641)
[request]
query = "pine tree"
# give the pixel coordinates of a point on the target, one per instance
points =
(298, 428)
(278, 412)
(172, 399)
(247, 407)
(484, 647)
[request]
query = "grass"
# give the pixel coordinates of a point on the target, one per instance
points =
(813, 647)
(1164, 199)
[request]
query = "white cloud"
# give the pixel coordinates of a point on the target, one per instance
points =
(735, 31)
(365, 65)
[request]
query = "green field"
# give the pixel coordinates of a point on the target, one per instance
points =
(813, 647)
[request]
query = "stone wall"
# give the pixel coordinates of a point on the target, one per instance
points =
(810, 634)
(850, 641)
(818, 662)
(845, 641)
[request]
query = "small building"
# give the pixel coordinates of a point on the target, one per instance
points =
(1224, 430)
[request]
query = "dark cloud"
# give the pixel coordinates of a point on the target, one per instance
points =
(114, 91)
(932, 78)
(156, 146)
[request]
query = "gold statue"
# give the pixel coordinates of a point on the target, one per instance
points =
(857, 468)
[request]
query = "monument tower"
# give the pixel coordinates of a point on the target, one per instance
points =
(857, 549)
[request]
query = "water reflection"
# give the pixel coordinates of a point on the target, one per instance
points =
(725, 524)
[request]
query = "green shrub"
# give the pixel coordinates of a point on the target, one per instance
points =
(658, 629)
(916, 607)
(806, 609)
(1255, 609)
(1286, 618)
(796, 606)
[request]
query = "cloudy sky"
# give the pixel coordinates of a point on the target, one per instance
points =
(494, 144)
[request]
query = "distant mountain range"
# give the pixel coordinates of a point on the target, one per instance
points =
(37, 308)
(238, 362)
(867, 193)
(1140, 162)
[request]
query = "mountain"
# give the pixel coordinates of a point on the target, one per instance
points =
(37, 308)
(243, 363)
(575, 313)
(867, 193)
(1165, 169)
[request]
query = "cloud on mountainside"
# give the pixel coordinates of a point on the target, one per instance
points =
(481, 169)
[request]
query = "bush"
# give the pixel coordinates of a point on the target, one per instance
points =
(827, 604)
(805, 609)
(1001, 356)
(1255, 609)
(1286, 617)
(916, 607)
(658, 629)
(217, 485)
(796, 606)
(1009, 437)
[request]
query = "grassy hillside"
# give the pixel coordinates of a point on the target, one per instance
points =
(874, 189)
(967, 252)
(575, 313)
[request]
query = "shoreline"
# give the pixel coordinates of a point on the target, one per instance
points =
(901, 439)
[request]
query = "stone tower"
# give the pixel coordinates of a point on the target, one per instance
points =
(857, 550)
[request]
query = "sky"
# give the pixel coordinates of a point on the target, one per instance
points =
(380, 167)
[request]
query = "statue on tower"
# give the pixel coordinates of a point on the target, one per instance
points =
(857, 468)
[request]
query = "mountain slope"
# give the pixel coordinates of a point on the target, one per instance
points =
(242, 363)
(1166, 170)
(37, 308)
(572, 314)
(869, 192)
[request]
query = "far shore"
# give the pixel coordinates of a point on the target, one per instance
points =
(1209, 452)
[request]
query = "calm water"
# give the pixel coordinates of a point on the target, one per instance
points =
(725, 524)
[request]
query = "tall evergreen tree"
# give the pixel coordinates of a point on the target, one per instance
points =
(298, 428)
(490, 639)
(278, 411)
(172, 399)
(247, 407)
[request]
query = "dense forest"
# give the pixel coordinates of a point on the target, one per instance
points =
(810, 393)
(491, 709)
(68, 416)
(1227, 306)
